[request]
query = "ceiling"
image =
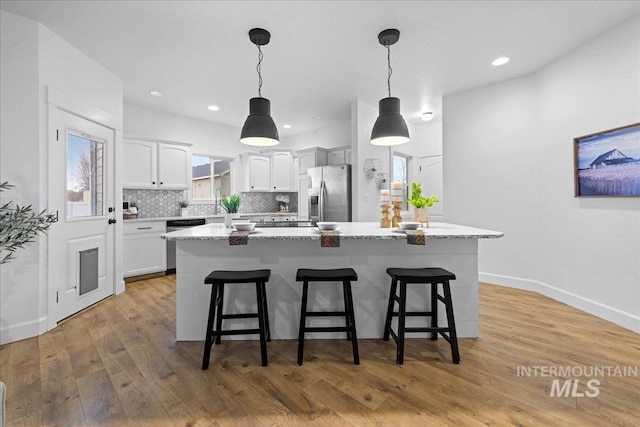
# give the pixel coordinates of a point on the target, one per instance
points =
(322, 55)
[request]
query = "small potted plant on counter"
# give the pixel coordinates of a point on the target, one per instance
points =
(420, 204)
(184, 208)
(231, 205)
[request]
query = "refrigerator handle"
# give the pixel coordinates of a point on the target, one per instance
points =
(321, 201)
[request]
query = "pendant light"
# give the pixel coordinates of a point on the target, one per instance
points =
(259, 128)
(390, 127)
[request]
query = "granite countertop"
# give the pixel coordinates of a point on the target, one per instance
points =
(172, 218)
(347, 230)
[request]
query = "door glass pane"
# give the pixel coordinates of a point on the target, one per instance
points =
(85, 177)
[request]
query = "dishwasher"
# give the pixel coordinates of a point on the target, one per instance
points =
(177, 225)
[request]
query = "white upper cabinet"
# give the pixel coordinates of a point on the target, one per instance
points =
(140, 164)
(281, 166)
(174, 162)
(256, 170)
(339, 156)
(310, 158)
(271, 171)
(154, 165)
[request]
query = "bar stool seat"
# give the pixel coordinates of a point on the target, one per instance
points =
(344, 275)
(218, 279)
(432, 276)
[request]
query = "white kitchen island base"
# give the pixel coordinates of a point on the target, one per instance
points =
(365, 247)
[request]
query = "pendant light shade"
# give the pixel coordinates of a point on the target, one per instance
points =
(259, 128)
(390, 127)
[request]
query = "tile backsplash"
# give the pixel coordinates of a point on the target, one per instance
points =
(155, 203)
(165, 203)
(257, 202)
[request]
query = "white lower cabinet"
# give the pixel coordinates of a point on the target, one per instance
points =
(144, 250)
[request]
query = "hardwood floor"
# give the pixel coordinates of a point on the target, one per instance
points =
(118, 364)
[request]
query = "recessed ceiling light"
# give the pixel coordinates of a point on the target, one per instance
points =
(427, 116)
(286, 126)
(213, 107)
(500, 61)
(155, 93)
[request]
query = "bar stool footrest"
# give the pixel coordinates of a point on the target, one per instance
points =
(325, 313)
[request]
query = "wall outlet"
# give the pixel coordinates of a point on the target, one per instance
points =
(365, 197)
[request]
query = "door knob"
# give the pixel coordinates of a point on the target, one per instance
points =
(112, 220)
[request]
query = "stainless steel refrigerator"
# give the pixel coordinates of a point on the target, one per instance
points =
(330, 193)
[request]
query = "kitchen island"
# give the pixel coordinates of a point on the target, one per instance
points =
(365, 247)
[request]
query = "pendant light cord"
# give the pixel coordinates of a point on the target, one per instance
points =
(258, 69)
(390, 69)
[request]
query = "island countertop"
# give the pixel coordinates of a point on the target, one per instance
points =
(346, 230)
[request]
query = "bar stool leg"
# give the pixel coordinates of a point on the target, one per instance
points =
(209, 339)
(219, 318)
(266, 310)
(350, 311)
(387, 323)
(346, 308)
(434, 309)
(401, 322)
(303, 322)
(261, 324)
(453, 336)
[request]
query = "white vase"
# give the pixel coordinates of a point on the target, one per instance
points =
(184, 211)
(228, 219)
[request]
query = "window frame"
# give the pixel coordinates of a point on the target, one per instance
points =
(212, 197)
(405, 188)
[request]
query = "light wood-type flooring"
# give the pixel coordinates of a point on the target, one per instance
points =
(118, 364)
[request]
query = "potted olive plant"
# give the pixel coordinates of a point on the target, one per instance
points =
(420, 204)
(231, 205)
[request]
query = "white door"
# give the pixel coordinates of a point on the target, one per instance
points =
(81, 191)
(432, 183)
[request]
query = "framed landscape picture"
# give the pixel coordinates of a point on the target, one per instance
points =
(608, 163)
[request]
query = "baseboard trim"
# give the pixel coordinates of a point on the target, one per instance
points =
(23, 330)
(612, 314)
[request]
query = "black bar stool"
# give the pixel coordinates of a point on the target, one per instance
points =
(431, 276)
(344, 275)
(218, 279)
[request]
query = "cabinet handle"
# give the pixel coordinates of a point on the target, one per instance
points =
(161, 182)
(153, 182)
(144, 228)
(112, 221)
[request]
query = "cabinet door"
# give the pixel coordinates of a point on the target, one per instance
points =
(140, 160)
(173, 167)
(281, 171)
(336, 157)
(259, 170)
(144, 250)
(303, 197)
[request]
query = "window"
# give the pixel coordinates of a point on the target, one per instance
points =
(401, 174)
(211, 177)
(85, 176)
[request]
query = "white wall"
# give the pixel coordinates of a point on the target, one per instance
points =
(20, 165)
(205, 137)
(32, 59)
(508, 153)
